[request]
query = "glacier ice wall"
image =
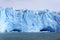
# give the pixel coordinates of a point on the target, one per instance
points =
(29, 20)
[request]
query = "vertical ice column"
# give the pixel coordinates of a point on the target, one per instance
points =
(27, 21)
(48, 20)
(40, 19)
(9, 12)
(31, 21)
(3, 24)
(24, 21)
(18, 19)
(52, 23)
(57, 19)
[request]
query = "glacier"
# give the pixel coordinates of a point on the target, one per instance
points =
(29, 20)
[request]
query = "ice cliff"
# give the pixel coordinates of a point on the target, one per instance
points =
(29, 20)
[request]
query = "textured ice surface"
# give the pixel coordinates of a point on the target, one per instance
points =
(29, 20)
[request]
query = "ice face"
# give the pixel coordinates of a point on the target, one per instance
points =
(3, 24)
(28, 20)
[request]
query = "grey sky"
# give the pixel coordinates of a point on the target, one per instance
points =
(31, 4)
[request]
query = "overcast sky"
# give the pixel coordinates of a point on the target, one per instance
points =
(31, 4)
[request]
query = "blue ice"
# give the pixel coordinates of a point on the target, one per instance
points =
(28, 20)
